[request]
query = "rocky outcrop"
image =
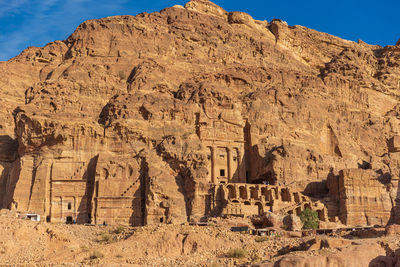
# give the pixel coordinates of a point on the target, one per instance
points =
(362, 255)
(362, 198)
(134, 119)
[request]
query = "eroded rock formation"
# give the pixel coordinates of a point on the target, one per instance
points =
(156, 117)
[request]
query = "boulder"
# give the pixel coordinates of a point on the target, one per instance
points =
(292, 222)
(270, 219)
(240, 18)
(205, 6)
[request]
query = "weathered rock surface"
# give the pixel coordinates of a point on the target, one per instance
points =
(293, 223)
(362, 255)
(268, 219)
(363, 199)
(393, 229)
(132, 119)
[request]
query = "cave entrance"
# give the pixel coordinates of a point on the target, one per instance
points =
(268, 178)
(69, 219)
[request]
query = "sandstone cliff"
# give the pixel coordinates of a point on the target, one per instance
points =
(133, 119)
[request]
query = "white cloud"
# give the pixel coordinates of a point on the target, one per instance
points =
(11, 7)
(48, 20)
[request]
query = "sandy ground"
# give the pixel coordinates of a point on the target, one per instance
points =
(28, 243)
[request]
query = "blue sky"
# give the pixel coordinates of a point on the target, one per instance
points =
(26, 23)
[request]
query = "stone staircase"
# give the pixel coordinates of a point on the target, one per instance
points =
(291, 207)
(130, 187)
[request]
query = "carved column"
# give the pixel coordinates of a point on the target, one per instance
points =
(62, 209)
(213, 161)
(241, 166)
(230, 164)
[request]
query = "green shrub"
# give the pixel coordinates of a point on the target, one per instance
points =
(96, 255)
(122, 75)
(237, 253)
(261, 239)
(120, 229)
(309, 218)
(106, 238)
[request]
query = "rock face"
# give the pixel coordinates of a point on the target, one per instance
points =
(153, 118)
(362, 255)
(363, 199)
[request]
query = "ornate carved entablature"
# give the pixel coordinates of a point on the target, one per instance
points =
(221, 131)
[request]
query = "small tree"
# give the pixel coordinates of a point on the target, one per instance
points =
(122, 75)
(309, 218)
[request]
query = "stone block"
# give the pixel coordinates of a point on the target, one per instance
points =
(394, 144)
(363, 200)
